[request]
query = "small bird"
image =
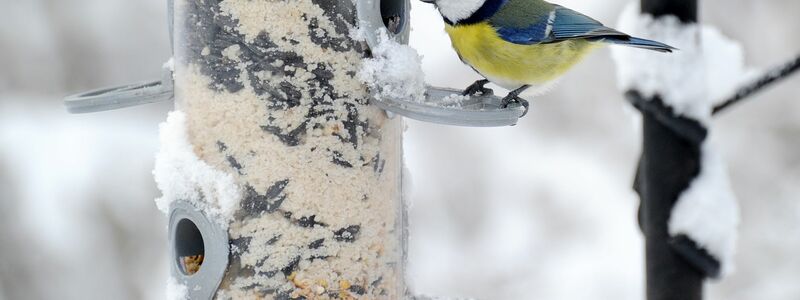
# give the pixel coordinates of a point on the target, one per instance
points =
(519, 44)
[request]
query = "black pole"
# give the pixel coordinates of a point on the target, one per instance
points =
(685, 10)
(670, 160)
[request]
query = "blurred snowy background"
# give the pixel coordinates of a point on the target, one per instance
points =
(543, 210)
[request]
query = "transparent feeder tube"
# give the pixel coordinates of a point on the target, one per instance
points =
(270, 95)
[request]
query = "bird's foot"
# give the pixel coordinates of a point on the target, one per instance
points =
(516, 99)
(513, 97)
(478, 88)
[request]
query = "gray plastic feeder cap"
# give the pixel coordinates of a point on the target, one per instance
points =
(192, 233)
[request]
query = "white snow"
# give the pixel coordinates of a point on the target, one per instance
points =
(454, 100)
(181, 175)
(175, 290)
(692, 79)
(394, 71)
(707, 211)
(169, 64)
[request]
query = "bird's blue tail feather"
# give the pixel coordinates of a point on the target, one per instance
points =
(639, 43)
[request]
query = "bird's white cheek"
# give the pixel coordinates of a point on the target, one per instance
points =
(457, 10)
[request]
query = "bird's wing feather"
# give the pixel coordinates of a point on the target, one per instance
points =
(560, 24)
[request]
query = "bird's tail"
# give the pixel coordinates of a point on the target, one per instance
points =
(639, 43)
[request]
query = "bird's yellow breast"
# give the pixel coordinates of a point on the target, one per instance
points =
(509, 64)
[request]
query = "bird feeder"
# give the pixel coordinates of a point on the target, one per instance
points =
(270, 99)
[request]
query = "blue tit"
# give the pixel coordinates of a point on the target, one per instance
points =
(519, 44)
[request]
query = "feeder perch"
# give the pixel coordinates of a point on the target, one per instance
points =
(476, 111)
(122, 96)
(127, 95)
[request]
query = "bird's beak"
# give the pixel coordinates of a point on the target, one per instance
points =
(429, 1)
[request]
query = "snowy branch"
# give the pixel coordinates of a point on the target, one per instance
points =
(766, 80)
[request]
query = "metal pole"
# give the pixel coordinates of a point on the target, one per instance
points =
(270, 97)
(668, 164)
(670, 161)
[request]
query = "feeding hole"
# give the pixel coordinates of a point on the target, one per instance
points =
(189, 247)
(393, 13)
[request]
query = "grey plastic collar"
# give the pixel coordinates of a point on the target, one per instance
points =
(204, 283)
(370, 19)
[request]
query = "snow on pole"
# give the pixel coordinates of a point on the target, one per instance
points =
(688, 213)
(274, 139)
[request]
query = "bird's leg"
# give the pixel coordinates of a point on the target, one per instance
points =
(513, 97)
(478, 87)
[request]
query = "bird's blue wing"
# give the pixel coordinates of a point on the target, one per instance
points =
(560, 24)
(536, 33)
(569, 24)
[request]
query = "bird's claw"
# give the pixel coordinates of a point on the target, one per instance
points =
(516, 99)
(478, 88)
(483, 91)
